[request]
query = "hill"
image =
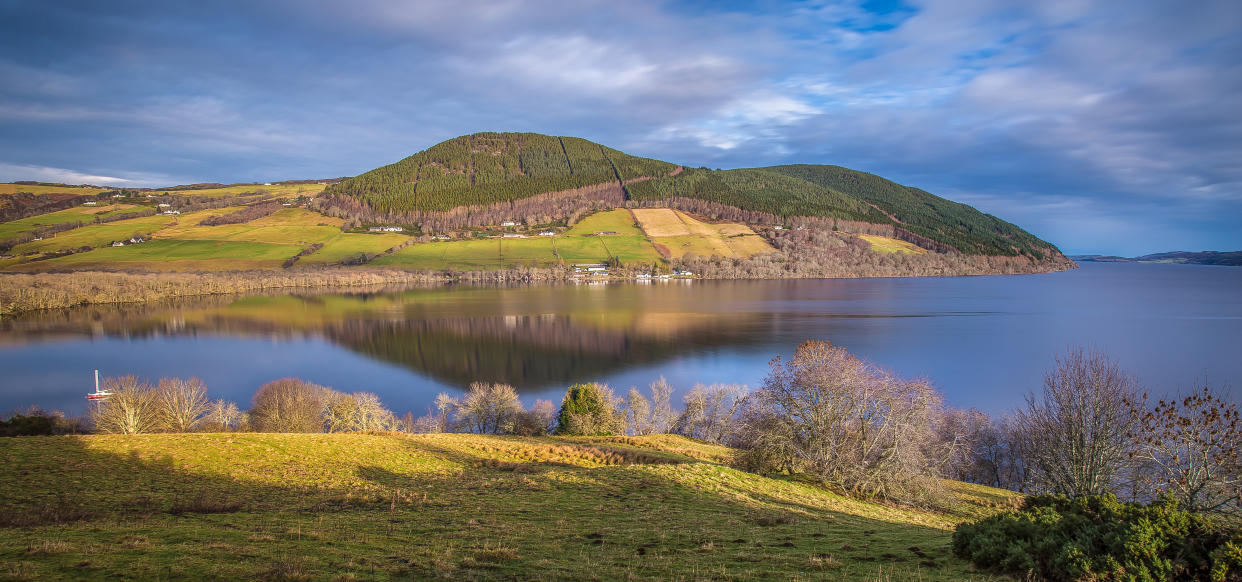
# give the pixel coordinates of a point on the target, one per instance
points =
(348, 506)
(486, 168)
(542, 178)
(1228, 258)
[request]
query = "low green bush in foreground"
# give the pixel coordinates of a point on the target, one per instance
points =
(1101, 538)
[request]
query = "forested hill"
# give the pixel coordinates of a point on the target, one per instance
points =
(486, 168)
(491, 172)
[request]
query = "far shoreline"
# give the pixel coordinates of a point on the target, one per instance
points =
(28, 292)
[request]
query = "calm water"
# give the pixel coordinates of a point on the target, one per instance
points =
(985, 341)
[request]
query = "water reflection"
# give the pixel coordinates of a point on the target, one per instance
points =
(984, 340)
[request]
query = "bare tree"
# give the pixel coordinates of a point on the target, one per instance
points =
(288, 405)
(1078, 429)
(489, 408)
(223, 415)
(661, 406)
(545, 411)
(1189, 448)
(856, 427)
(446, 409)
(131, 409)
(181, 404)
(710, 411)
(638, 413)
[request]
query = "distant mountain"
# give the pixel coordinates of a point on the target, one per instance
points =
(1229, 258)
(527, 174)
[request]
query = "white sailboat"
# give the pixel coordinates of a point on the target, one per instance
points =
(98, 394)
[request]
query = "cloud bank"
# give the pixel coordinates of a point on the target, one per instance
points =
(1103, 127)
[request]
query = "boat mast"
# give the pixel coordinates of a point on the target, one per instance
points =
(96, 381)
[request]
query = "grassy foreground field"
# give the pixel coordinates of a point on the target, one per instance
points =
(357, 506)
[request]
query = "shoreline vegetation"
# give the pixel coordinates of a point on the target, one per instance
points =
(25, 292)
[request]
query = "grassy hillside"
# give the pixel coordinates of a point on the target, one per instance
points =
(486, 168)
(354, 506)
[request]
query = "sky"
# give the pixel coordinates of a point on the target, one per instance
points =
(1104, 127)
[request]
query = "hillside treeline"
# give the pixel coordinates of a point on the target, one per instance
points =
(489, 168)
(542, 208)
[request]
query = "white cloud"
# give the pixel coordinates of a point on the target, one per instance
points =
(15, 172)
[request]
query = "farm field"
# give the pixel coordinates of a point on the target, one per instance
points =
(84, 214)
(172, 255)
(10, 188)
(579, 244)
(97, 235)
(348, 244)
(287, 226)
(455, 506)
(884, 244)
(285, 190)
(679, 234)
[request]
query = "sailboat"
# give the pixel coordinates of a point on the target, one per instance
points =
(98, 394)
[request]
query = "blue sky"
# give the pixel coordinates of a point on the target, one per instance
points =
(1110, 127)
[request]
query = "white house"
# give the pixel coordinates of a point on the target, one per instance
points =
(508, 223)
(386, 229)
(512, 235)
(547, 233)
(118, 243)
(165, 205)
(90, 203)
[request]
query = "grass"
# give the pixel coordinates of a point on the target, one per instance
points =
(173, 255)
(348, 506)
(7, 188)
(97, 235)
(347, 245)
(283, 190)
(678, 234)
(84, 214)
(884, 244)
(579, 244)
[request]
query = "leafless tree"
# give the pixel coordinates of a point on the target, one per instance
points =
(288, 405)
(710, 411)
(446, 409)
(489, 408)
(661, 406)
(361, 411)
(1188, 448)
(545, 411)
(223, 415)
(638, 413)
(131, 409)
(855, 426)
(181, 404)
(1078, 429)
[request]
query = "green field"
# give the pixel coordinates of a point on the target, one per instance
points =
(9, 188)
(345, 245)
(579, 244)
(96, 235)
(173, 255)
(380, 507)
(281, 190)
(83, 214)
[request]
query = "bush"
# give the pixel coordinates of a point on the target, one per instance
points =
(589, 410)
(1101, 538)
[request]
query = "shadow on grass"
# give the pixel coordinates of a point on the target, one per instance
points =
(562, 508)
